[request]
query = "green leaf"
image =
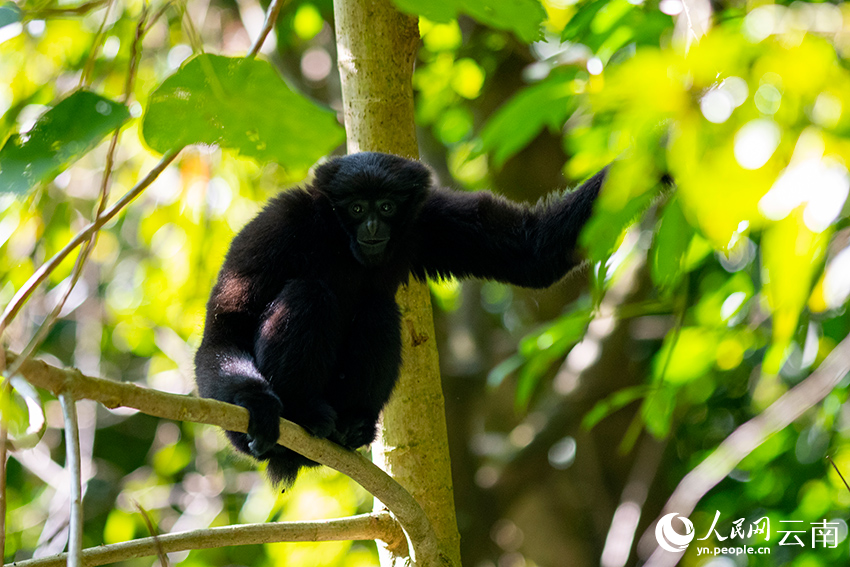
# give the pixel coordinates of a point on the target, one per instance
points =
(578, 26)
(503, 369)
(9, 14)
(612, 403)
(657, 411)
(242, 104)
(62, 135)
(522, 17)
(517, 122)
(791, 255)
(629, 189)
(601, 235)
(671, 244)
(693, 355)
(543, 349)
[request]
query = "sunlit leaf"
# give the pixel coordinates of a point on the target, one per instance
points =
(60, 136)
(120, 526)
(578, 25)
(670, 246)
(523, 17)
(791, 257)
(13, 412)
(242, 104)
(657, 411)
(723, 298)
(171, 459)
(629, 188)
(693, 354)
(718, 195)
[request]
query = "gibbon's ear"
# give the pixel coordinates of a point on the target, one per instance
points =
(325, 173)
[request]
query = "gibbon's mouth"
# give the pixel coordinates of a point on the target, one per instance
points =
(373, 243)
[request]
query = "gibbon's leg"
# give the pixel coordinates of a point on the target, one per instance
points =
(368, 369)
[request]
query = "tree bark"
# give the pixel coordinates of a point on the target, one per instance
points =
(376, 48)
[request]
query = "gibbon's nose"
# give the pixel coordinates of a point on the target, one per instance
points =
(372, 227)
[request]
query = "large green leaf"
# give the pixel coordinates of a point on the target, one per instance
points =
(672, 241)
(62, 134)
(523, 17)
(242, 104)
(518, 121)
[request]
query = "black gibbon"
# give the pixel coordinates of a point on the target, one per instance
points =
(303, 323)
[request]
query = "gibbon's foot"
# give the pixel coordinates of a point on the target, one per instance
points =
(264, 409)
(356, 433)
(320, 421)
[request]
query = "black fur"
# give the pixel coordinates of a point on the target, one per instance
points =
(303, 324)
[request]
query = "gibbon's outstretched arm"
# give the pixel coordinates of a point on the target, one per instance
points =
(482, 235)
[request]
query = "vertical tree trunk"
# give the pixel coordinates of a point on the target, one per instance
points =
(376, 47)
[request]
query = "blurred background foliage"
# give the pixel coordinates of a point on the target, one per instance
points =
(573, 412)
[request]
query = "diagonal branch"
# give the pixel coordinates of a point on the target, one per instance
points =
(750, 435)
(81, 237)
(235, 418)
(363, 527)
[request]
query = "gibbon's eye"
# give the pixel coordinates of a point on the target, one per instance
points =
(356, 209)
(387, 207)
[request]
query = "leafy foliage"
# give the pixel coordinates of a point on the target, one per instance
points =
(523, 17)
(241, 104)
(63, 134)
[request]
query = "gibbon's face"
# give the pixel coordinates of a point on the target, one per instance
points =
(372, 222)
(376, 198)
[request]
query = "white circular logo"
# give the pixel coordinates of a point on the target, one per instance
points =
(671, 540)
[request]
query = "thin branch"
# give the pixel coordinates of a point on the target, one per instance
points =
(624, 523)
(157, 543)
(4, 436)
(841, 476)
(189, 28)
(155, 18)
(48, 322)
(750, 435)
(47, 268)
(235, 418)
(271, 18)
(362, 527)
(74, 470)
(88, 68)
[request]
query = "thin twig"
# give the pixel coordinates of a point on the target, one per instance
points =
(361, 527)
(95, 46)
(189, 27)
(744, 440)
(841, 476)
(47, 268)
(48, 322)
(155, 18)
(271, 17)
(75, 479)
(4, 436)
(157, 543)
